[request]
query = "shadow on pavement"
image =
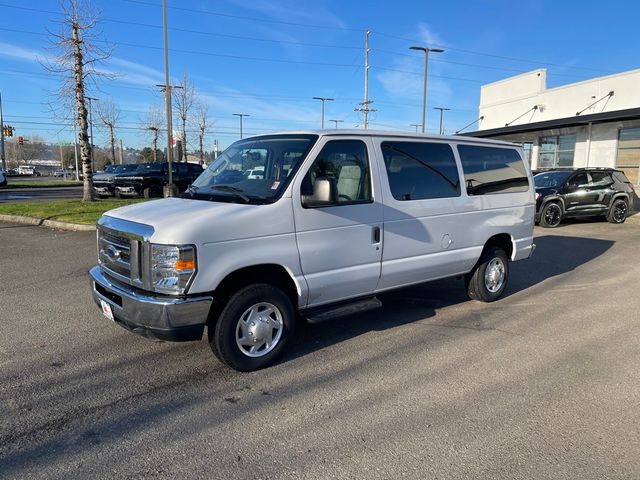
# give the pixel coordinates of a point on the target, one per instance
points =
(554, 255)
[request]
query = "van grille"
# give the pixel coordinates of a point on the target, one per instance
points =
(119, 255)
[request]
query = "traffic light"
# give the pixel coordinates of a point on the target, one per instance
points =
(7, 131)
(20, 141)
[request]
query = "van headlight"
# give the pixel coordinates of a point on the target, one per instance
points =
(172, 267)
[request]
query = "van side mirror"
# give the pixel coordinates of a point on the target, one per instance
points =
(325, 193)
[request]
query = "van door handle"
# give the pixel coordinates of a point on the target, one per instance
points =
(375, 235)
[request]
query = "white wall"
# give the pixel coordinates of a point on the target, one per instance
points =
(503, 101)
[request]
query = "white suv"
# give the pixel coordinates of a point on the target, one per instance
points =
(336, 217)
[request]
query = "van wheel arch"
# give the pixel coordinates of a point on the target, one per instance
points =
(271, 274)
(503, 241)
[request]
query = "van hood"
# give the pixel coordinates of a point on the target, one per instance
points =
(187, 221)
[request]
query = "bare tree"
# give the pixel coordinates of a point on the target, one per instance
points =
(203, 125)
(76, 60)
(109, 115)
(184, 96)
(153, 123)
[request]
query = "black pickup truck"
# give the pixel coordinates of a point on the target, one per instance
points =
(148, 179)
(104, 181)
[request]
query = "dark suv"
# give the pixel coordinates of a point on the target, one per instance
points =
(582, 193)
(149, 178)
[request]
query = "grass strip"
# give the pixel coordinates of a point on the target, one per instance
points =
(72, 211)
(48, 184)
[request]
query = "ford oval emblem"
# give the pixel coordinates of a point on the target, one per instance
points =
(112, 253)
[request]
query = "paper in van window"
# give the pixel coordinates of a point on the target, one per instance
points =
(275, 185)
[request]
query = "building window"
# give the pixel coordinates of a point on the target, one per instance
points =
(557, 151)
(628, 156)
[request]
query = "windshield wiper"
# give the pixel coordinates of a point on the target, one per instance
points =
(237, 191)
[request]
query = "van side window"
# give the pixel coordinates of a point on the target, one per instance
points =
(346, 165)
(489, 170)
(419, 170)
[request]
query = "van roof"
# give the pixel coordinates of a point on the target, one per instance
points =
(386, 133)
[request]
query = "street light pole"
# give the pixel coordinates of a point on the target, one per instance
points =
(441, 110)
(336, 122)
(241, 115)
(323, 99)
(2, 157)
(415, 125)
(424, 87)
(167, 101)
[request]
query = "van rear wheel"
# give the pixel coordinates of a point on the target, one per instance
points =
(253, 328)
(488, 280)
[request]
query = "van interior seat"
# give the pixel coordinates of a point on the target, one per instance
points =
(349, 181)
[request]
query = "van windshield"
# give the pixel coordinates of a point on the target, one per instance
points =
(255, 170)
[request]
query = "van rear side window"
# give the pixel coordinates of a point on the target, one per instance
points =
(489, 170)
(419, 170)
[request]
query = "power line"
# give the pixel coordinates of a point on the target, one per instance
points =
(242, 17)
(472, 52)
(503, 57)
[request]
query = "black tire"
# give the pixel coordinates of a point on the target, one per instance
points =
(480, 283)
(551, 215)
(618, 211)
(224, 337)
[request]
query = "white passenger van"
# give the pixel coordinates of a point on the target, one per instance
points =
(337, 217)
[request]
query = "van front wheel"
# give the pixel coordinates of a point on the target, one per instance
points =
(488, 280)
(253, 328)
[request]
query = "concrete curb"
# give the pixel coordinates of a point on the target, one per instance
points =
(72, 227)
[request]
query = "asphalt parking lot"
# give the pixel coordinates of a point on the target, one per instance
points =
(541, 384)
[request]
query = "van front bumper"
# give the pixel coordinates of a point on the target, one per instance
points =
(153, 316)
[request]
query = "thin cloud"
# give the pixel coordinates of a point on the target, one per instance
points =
(22, 54)
(287, 11)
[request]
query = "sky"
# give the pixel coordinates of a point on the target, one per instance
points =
(268, 58)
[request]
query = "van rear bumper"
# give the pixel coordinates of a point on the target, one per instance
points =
(152, 316)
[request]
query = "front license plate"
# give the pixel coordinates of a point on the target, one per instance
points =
(106, 309)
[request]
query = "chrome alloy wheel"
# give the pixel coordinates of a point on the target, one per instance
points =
(259, 329)
(494, 275)
(620, 212)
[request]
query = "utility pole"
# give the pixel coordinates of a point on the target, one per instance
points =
(336, 122)
(167, 99)
(121, 153)
(441, 110)
(323, 99)
(415, 125)
(91, 99)
(424, 87)
(241, 115)
(365, 104)
(2, 157)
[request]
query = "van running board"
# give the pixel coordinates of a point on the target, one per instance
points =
(329, 313)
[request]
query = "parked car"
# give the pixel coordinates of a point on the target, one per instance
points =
(3, 178)
(338, 217)
(104, 181)
(148, 179)
(585, 192)
(58, 173)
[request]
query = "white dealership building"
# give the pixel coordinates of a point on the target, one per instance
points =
(593, 123)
